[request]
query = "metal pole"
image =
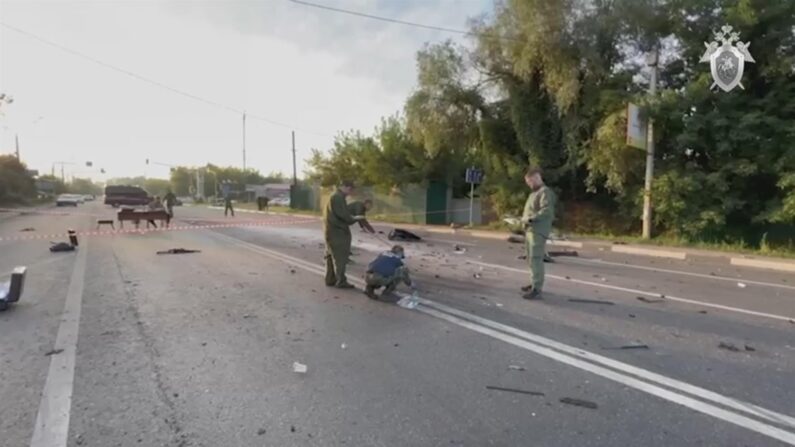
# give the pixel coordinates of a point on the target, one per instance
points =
(647, 208)
(244, 141)
(295, 174)
(16, 139)
(471, 201)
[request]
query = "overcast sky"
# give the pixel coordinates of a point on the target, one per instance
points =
(313, 70)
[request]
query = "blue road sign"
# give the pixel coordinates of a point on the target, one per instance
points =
(474, 175)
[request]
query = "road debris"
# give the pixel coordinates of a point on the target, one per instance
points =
(741, 285)
(516, 368)
(27, 229)
(343, 346)
(516, 239)
(649, 300)
(476, 275)
(522, 257)
(399, 234)
(631, 315)
(571, 253)
(750, 348)
(514, 390)
(629, 347)
(292, 271)
(53, 352)
(409, 301)
(702, 311)
(459, 250)
(261, 432)
(61, 247)
(299, 368)
(587, 301)
(579, 403)
(728, 346)
(177, 251)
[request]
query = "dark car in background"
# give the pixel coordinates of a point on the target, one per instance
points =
(118, 195)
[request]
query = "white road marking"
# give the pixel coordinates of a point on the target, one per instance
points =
(587, 361)
(679, 272)
(671, 396)
(643, 292)
(52, 420)
(443, 241)
(628, 249)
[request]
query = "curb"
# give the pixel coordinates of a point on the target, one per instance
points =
(782, 265)
(633, 250)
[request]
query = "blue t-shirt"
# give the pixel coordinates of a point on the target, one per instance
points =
(386, 264)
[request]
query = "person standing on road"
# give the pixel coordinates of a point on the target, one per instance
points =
(337, 220)
(361, 209)
(170, 200)
(228, 204)
(539, 211)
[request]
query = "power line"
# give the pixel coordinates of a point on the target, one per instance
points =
(384, 19)
(402, 22)
(152, 81)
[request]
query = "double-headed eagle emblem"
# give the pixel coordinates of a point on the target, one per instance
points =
(726, 60)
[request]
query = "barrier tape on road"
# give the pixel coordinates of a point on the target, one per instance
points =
(142, 231)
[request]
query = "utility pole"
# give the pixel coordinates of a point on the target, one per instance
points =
(295, 174)
(244, 141)
(16, 140)
(653, 60)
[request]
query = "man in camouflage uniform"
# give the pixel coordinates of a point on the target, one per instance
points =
(539, 211)
(337, 220)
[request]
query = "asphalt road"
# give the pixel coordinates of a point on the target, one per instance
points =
(198, 349)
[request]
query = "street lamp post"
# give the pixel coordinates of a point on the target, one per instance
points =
(652, 61)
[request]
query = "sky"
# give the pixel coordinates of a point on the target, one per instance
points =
(288, 66)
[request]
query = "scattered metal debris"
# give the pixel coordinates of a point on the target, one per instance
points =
(61, 247)
(587, 301)
(27, 229)
(750, 348)
(292, 271)
(399, 234)
(702, 311)
(741, 285)
(457, 249)
(261, 432)
(649, 300)
(631, 315)
(571, 253)
(579, 403)
(729, 347)
(53, 352)
(514, 390)
(476, 275)
(516, 368)
(516, 239)
(522, 257)
(629, 347)
(301, 369)
(177, 251)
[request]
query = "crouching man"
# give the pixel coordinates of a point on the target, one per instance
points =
(387, 271)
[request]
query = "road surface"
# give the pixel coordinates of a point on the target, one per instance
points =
(114, 345)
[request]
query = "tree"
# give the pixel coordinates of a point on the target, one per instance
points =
(15, 183)
(84, 186)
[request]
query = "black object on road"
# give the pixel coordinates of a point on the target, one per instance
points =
(53, 352)
(514, 390)
(586, 301)
(61, 246)
(579, 403)
(73, 237)
(177, 251)
(728, 347)
(649, 300)
(399, 234)
(630, 347)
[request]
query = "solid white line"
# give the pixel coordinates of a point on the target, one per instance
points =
(569, 354)
(643, 292)
(52, 420)
(679, 272)
(626, 368)
(443, 241)
(702, 407)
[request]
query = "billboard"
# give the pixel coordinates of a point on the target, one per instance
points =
(636, 127)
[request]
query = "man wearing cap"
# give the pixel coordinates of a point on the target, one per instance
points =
(337, 220)
(387, 271)
(539, 210)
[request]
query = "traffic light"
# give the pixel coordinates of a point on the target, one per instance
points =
(102, 171)
(147, 161)
(89, 164)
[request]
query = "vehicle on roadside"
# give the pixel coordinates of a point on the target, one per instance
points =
(280, 201)
(118, 195)
(67, 200)
(89, 197)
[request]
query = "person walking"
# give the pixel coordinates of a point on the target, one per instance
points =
(539, 211)
(337, 220)
(170, 200)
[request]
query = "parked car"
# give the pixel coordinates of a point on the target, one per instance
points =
(117, 195)
(279, 201)
(67, 200)
(89, 197)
